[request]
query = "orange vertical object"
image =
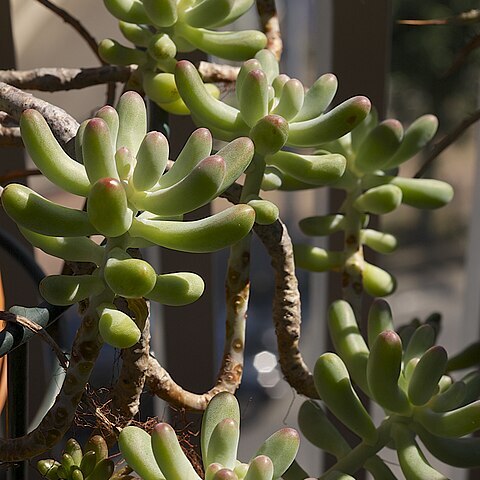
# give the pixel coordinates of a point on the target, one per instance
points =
(3, 360)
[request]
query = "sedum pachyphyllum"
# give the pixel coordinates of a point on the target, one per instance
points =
(88, 463)
(132, 201)
(162, 28)
(408, 379)
(159, 456)
(372, 186)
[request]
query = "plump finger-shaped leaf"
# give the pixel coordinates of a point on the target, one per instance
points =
(76, 249)
(281, 447)
(381, 242)
(97, 150)
(199, 187)
(88, 462)
(379, 200)
(269, 64)
(316, 259)
(235, 46)
(377, 282)
(323, 225)
(265, 212)
(202, 104)
(211, 470)
(169, 455)
(115, 53)
(318, 98)
(110, 116)
(127, 10)
(237, 156)
(133, 121)
(358, 134)
(49, 157)
(176, 107)
(73, 448)
(412, 461)
(272, 179)
(348, 341)
(208, 12)
(125, 162)
(455, 423)
(332, 382)
(291, 99)
(161, 12)
(467, 358)
(98, 445)
(160, 87)
(108, 209)
(222, 406)
(40, 215)
(383, 370)
(117, 328)
(421, 340)
(459, 452)
(225, 474)
(335, 475)
(245, 69)
(315, 169)
(197, 147)
(67, 290)
(162, 48)
(129, 277)
(320, 431)
(76, 473)
(177, 289)
(420, 132)
(152, 159)
(48, 468)
(253, 97)
(472, 382)
(103, 469)
(239, 8)
(260, 468)
(424, 193)
(379, 146)
(426, 375)
(223, 443)
(449, 399)
(329, 126)
(206, 235)
(139, 35)
(136, 447)
(269, 134)
(380, 318)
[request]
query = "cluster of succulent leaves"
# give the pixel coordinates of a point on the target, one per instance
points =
(408, 376)
(90, 463)
(160, 29)
(131, 201)
(159, 456)
(373, 151)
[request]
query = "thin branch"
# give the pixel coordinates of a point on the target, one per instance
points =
(464, 18)
(37, 329)
(271, 26)
(461, 57)
(60, 79)
(446, 141)
(15, 174)
(214, 72)
(85, 34)
(14, 101)
(10, 136)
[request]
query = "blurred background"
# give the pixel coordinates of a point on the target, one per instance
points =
(407, 71)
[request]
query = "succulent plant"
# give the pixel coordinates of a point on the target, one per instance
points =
(160, 456)
(373, 152)
(163, 28)
(89, 463)
(409, 381)
(131, 201)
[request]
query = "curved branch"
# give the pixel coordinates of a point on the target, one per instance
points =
(271, 26)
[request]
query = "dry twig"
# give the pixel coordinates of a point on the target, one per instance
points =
(271, 26)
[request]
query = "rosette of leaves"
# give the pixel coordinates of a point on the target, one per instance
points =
(371, 183)
(89, 463)
(131, 200)
(159, 456)
(409, 381)
(160, 29)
